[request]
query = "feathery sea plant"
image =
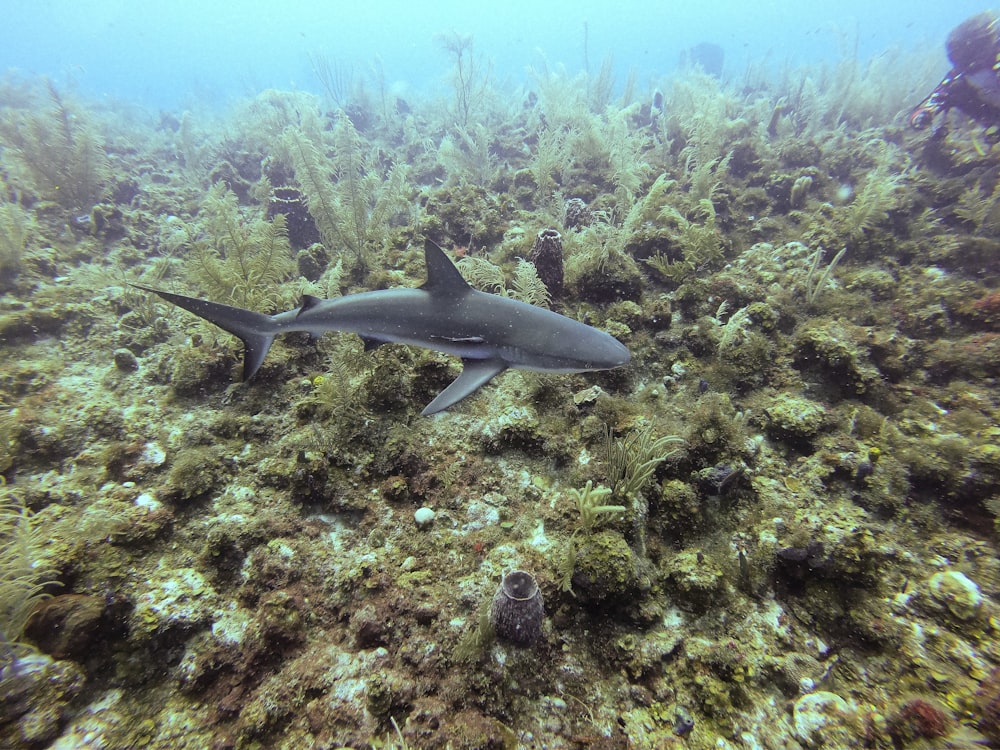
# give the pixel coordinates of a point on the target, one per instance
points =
(598, 142)
(470, 75)
(632, 460)
(8, 438)
(856, 95)
(242, 261)
(15, 225)
(705, 178)
(551, 158)
(880, 194)
(983, 214)
(734, 330)
(391, 120)
(600, 87)
(466, 155)
(335, 77)
(650, 208)
(489, 277)
(697, 245)
(872, 204)
(598, 250)
(478, 638)
(56, 152)
(604, 240)
(482, 274)
(336, 393)
(704, 114)
(328, 285)
(701, 243)
(255, 126)
(625, 147)
(314, 171)
(527, 286)
(816, 283)
(591, 506)
(193, 146)
(674, 269)
(562, 98)
(351, 201)
(23, 574)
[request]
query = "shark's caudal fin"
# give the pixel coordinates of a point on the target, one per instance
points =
(255, 330)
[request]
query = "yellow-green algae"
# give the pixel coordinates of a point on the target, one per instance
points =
(253, 546)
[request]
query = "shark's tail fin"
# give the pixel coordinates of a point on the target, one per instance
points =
(254, 329)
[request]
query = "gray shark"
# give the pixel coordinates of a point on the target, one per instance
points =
(490, 333)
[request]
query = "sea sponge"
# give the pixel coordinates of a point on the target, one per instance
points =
(517, 610)
(547, 256)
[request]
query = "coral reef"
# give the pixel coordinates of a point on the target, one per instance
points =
(776, 528)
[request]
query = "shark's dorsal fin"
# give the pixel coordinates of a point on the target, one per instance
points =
(443, 278)
(308, 302)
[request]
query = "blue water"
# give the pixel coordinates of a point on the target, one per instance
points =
(172, 54)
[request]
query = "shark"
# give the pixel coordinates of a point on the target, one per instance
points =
(489, 333)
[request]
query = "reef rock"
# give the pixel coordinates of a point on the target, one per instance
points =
(825, 720)
(957, 592)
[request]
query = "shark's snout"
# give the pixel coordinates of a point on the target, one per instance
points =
(621, 355)
(624, 356)
(612, 353)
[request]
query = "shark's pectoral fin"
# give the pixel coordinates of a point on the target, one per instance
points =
(371, 344)
(476, 373)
